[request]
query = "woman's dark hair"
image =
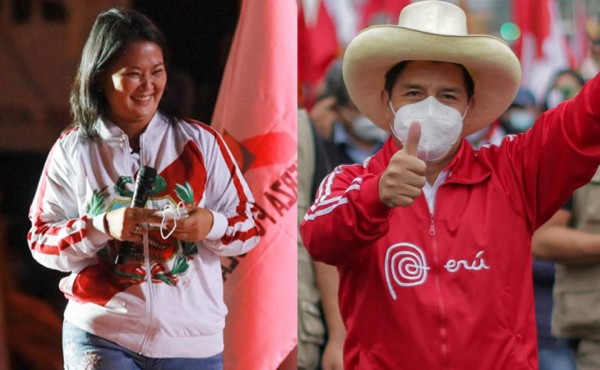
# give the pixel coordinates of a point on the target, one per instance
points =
(113, 31)
(392, 75)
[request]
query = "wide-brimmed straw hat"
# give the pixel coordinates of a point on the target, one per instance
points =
(431, 31)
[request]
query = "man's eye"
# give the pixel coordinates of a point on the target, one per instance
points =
(448, 97)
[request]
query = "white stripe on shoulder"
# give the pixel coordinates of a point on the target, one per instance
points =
(312, 215)
(324, 205)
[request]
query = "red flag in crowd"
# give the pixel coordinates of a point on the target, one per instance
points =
(317, 46)
(256, 113)
(579, 41)
(542, 47)
(382, 12)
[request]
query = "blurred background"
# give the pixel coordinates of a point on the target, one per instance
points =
(546, 35)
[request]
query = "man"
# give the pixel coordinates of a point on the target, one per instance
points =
(320, 328)
(348, 136)
(519, 117)
(431, 239)
(572, 239)
(521, 114)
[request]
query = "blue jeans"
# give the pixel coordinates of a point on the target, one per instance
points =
(556, 357)
(85, 351)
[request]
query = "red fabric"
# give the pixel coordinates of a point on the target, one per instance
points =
(542, 48)
(256, 113)
(189, 167)
(62, 244)
(93, 285)
(532, 17)
(452, 289)
(579, 42)
(381, 11)
(317, 48)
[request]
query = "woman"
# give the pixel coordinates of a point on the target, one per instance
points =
(162, 304)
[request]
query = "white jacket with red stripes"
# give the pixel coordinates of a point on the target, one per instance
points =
(166, 300)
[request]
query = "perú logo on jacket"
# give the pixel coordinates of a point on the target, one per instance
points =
(406, 266)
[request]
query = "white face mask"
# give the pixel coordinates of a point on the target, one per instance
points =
(441, 127)
(521, 121)
(366, 130)
(555, 97)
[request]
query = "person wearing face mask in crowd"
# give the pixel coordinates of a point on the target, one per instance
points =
(320, 327)
(145, 289)
(431, 239)
(346, 137)
(349, 136)
(571, 239)
(521, 114)
(565, 85)
(519, 117)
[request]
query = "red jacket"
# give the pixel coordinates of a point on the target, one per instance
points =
(452, 290)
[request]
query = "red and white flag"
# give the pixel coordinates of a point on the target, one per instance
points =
(381, 12)
(256, 112)
(579, 41)
(542, 47)
(317, 47)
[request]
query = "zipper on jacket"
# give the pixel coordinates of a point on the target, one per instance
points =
(149, 284)
(441, 305)
(150, 298)
(146, 249)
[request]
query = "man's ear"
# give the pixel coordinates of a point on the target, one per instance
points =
(385, 101)
(470, 107)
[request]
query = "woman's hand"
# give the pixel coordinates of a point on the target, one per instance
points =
(128, 223)
(195, 226)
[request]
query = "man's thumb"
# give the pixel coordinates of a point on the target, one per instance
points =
(413, 138)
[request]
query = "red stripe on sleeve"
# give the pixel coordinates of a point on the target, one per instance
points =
(241, 208)
(240, 236)
(63, 244)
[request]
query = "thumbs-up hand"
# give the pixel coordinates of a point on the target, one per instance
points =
(404, 177)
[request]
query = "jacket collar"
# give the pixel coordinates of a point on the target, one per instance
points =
(467, 167)
(108, 130)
